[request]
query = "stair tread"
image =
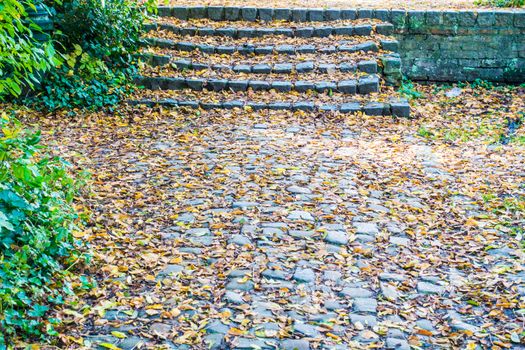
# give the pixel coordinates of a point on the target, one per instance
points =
(268, 49)
(204, 22)
(396, 108)
(363, 85)
(314, 76)
(238, 58)
(386, 94)
(333, 40)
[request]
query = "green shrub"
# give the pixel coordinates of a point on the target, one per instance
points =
(98, 43)
(21, 56)
(501, 3)
(86, 82)
(37, 223)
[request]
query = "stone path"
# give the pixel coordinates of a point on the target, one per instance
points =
(281, 230)
(269, 211)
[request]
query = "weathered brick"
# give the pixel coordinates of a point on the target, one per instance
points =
(365, 13)
(486, 18)
(399, 18)
(519, 19)
(299, 14)
(416, 21)
(450, 18)
(216, 13)
(282, 14)
(316, 14)
(232, 13)
(383, 15)
(384, 28)
(332, 14)
(249, 14)
(180, 12)
(467, 18)
(266, 14)
(434, 18)
(198, 12)
(164, 11)
(348, 14)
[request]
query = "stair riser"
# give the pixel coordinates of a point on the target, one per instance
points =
(305, 32)
(369, 67)
(371, 109)
(260, 50)
(362, 86)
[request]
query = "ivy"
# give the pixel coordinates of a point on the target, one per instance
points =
(37, 222)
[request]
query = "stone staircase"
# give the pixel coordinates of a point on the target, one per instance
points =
(279, 59)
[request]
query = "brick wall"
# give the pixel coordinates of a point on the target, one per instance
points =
(462, 45)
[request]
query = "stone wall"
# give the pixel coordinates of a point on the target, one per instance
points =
(462, 45)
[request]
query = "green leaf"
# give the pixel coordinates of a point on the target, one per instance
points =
(4, 222)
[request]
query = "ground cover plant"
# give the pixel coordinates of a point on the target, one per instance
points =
(87, 67)
(38, 222)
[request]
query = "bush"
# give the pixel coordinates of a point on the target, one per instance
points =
(90, 56)
(97, 43)
(501, 3)
(21, 56)
(86, 82)
(37, 222)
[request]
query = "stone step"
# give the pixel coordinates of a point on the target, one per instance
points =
(369, 66)
(397, 108)
(320, 31)
(382, 42)
(283, 49)
(238, 58)
(364, 85)
(261, 73)
(251, 14)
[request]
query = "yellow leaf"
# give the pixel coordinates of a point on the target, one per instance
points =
(79, 234)
(244, 279)
(333, 336)
(109, 346)
(176, 260)
(424, 332)
(119, 335)
(235, 331)
(471, 222)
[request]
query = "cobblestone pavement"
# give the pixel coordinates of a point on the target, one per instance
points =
(272, 230)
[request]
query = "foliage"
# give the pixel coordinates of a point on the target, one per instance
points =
(408, 90)
(85, 81)
(21, 56)
(90, 57)
(501, 3)
(37, 223)
(98, 41)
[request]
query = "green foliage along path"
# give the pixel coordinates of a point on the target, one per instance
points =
(37, 225)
